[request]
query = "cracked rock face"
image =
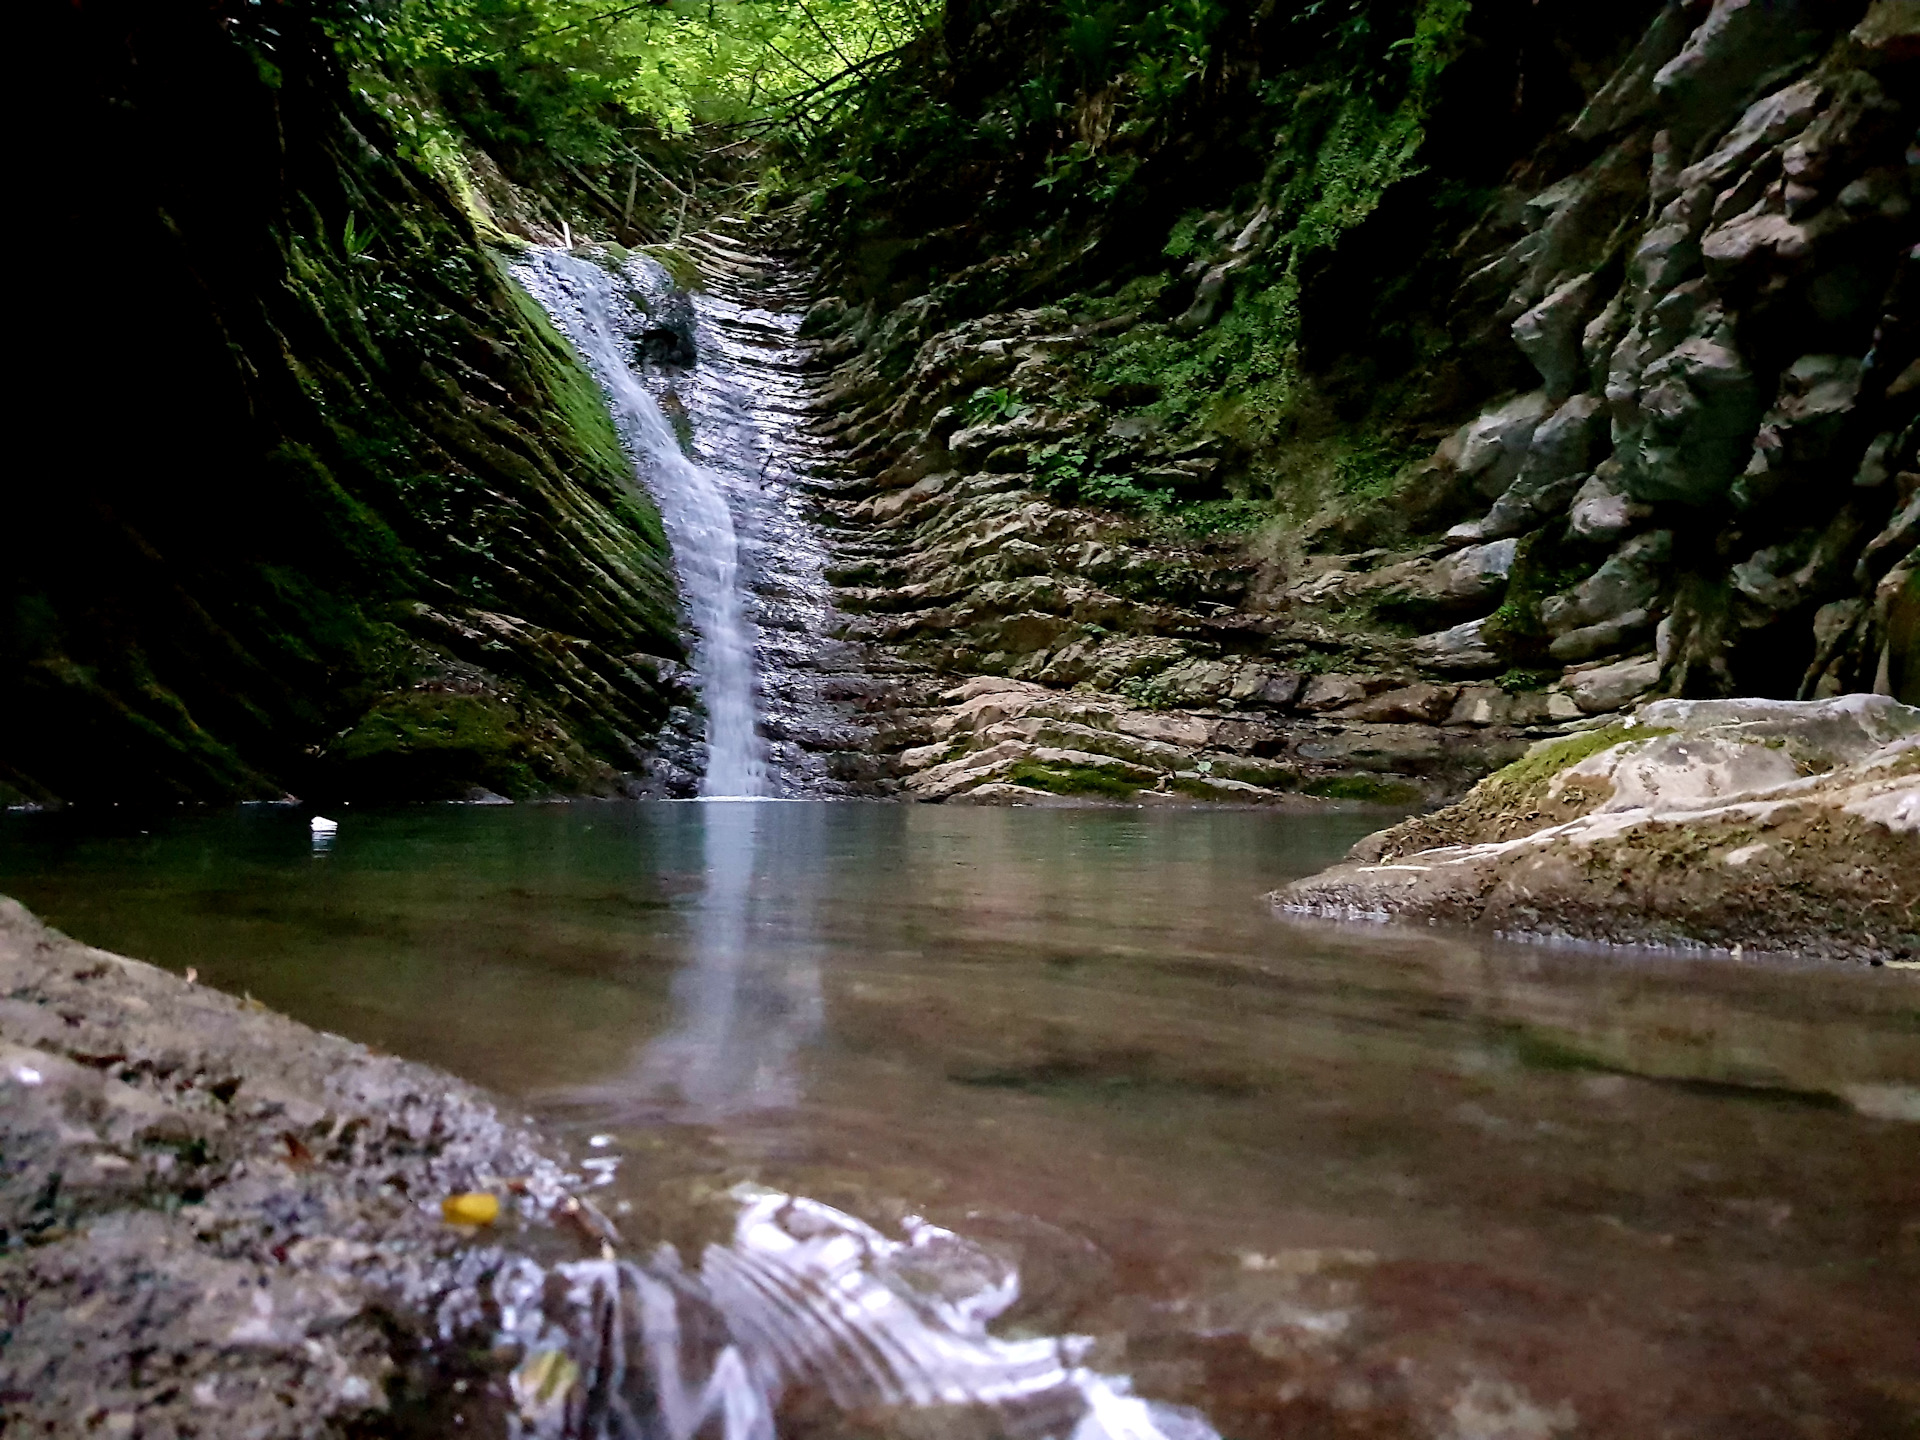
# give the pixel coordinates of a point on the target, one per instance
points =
(1780, 825)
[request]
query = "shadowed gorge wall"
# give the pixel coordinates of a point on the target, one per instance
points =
(318, 500)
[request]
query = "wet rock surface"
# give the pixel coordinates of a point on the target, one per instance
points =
(1011, 742)
(1764, 825)
(217, 1222)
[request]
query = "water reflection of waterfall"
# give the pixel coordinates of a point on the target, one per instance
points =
(742, 1011)
(597, 311)
(804, 1303)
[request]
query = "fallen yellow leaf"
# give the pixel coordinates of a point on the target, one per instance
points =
(541, 1382)
(476, 1207)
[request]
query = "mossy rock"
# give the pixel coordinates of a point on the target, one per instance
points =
(437, 745)
(1369, 789)
(1509, 803)
(1072, 780)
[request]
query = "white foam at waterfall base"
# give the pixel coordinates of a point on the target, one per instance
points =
(588, 303)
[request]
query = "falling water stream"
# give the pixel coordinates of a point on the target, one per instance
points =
(604, 310)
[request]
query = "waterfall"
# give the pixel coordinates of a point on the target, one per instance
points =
(593, 307)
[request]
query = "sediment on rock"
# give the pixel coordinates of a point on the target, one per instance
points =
(1786, 826)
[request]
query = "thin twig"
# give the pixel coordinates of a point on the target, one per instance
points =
(795, 63)
(801, 5)
(641, 160)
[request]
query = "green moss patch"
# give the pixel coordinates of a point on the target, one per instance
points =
(1549, 760)
(1511, 802)
(1071, 780)
(433, 745)
(1368, 788)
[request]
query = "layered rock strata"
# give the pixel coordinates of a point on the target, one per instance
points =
(1787, 826)
(1703, 482)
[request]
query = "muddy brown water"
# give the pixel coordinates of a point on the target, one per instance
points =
(1311, 1180)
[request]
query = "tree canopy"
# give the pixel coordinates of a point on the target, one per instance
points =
(565, 73)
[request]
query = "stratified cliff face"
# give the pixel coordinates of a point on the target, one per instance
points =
(305, 494)
(1576, 367)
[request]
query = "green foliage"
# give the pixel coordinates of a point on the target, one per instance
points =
(1061, 472)
(1149, 692)
(1369, 469)
(987, 405)
(1205, 518)
(1121, 492)
(1346, 131)
(569, 75)
(355, 241)
(1182, 240)
(1518, 680)
(1544, 563)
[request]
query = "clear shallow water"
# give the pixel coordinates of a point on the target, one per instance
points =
(1306, 1180)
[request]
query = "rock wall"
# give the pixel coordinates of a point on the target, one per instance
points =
(313, 499)
(1638, 419)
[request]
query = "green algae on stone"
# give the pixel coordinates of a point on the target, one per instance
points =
(428, 745)
(1071, 780)
(1367, 788)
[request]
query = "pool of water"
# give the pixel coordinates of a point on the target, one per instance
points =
(1309, 1180)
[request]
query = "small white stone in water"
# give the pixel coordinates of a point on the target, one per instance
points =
(600, 1142)
(27, 1075)
(320, 825)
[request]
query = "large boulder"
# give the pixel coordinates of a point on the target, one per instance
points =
(219, 1222)
(1769, 825)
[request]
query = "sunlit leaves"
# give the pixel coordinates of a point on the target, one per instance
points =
(544, 68)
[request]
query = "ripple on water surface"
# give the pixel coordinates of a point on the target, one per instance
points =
(1306, 1180)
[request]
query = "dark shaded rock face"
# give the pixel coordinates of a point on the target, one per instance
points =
(1635, 417)
(318, 501)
